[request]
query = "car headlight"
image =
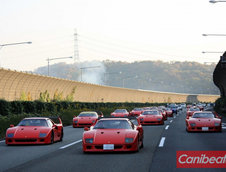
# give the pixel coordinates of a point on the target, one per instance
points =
(129, 140)
(93, 121)
(90, 140)
(192, 124)
(10, 135)
(159, 119)
(75, 122)
(112, 116)
(42, 134)
(216, 124)
(141, 119)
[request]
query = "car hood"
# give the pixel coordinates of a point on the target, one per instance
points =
(151, 116)
(112, 136)
(28, 131)
(204, 121)
(120, 114)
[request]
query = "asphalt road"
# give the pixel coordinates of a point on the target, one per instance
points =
(156, 156)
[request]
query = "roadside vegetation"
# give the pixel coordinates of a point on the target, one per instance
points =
(12, 112)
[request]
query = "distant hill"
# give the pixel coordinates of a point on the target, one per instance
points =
(180, 77)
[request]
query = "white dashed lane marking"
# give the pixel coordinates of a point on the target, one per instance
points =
(171, 121)
(2, 141)
(167, 127)
(73, 143)
(161, 144)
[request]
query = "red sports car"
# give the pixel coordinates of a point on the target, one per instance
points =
(191, 110)
(136, 112)
(120, 113)
(169, 112)
(203, 121)
(85, 119)
(36, 130)
(151, 117)
(112, 134)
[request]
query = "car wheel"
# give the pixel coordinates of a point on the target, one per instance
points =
(142, 145)
(138, 146)
(52, 138)
(62, 135)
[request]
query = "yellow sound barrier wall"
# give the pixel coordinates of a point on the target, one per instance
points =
(14, 84)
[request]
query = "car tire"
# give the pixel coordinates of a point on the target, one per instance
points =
(52, 138)
(142, 145)
(62, 135)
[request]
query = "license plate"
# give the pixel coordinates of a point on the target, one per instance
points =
(205, 128)
(108, 147)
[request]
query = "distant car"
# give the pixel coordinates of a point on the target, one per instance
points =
(35, 130)
(173, 108)
(169, 112)
(112, 134)
(192, 110)
(150, 117)
(85, 119)
(120, 113)
(136, 112)
(203, 121)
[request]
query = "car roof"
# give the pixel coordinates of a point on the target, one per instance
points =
(105, 119)
(37, 118)
(88, 112)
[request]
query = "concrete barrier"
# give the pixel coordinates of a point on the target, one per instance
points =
(13, 84)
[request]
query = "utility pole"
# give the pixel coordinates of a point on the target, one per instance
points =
(76, 52)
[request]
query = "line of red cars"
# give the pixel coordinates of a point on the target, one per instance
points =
(122, 131)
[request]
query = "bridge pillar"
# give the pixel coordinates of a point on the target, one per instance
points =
(219, 75)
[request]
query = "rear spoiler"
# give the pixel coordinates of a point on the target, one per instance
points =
(55, 119)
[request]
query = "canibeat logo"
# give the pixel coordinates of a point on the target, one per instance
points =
(201, 159)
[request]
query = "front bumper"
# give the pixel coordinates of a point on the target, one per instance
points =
(117, 148)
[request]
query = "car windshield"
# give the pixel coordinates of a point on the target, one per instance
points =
(194, 109)
(203, 115)
(137, 109)
(150, 113)
(33, 122)
(87, 115)
(112, 124)
(120, 111)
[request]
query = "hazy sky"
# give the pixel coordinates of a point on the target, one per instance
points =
(126, 30)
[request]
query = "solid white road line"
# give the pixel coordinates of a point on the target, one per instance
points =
(63, 147)
(171, 121)
(223, 127)
(162, 142)
(2, 141)
(167, 127)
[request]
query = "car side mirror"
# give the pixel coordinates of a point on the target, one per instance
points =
(86, 129)
(11, 126)
(55, 126)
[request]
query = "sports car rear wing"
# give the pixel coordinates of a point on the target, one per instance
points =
(55, 119)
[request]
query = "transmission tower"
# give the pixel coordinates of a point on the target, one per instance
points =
(76, 52)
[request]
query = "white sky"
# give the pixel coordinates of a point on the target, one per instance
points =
(126, 30)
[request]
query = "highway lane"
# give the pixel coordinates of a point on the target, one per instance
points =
(73, 159)
(157, 155)
(12, 156)
(177, 139)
